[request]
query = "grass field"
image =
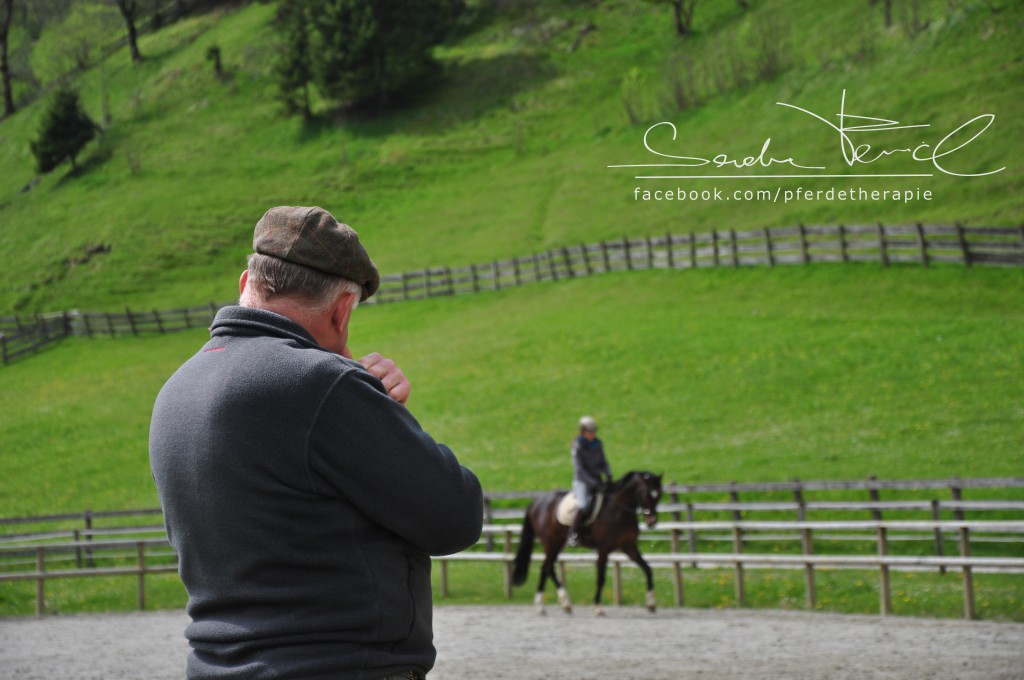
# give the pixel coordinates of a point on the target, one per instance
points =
(750, 374)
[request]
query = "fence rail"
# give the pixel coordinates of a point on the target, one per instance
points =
(918, 243)
(129, 543)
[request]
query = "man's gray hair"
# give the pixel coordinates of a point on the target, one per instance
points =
(311, 289)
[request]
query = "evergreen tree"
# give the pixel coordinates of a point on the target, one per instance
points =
(367, 51)
(65, 130)
(293, 68)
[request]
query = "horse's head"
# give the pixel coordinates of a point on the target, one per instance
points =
(648, 493)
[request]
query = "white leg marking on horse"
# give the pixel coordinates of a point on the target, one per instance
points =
(598, 611)
(538, 603)
(563, 599)
(652, 602)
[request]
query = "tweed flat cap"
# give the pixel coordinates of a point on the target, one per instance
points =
(313, 238)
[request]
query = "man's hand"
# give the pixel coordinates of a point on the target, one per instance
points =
(391, 375)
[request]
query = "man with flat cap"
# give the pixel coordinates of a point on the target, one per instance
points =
(301, 496)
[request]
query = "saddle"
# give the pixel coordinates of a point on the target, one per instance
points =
(569, 507)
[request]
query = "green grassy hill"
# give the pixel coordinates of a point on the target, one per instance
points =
(510, 153)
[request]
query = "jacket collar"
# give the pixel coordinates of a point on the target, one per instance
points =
(237, 320)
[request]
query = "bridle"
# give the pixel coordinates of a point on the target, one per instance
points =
(646, 511)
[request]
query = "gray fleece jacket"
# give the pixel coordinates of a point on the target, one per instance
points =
(303, 503)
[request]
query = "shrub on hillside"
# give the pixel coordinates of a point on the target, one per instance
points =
(65, 130)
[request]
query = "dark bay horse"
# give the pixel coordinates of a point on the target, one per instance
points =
(615, 528)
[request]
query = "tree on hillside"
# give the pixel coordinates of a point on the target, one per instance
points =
(682, 11)
(294, 68)
(128, 9)
(365, 52)
(6, 14)
(65, 130)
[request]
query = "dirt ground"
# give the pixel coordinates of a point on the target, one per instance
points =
(513, 642)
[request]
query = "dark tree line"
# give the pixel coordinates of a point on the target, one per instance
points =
(359, 53)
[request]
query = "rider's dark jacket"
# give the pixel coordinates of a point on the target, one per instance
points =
(303, 503)
(588, 462)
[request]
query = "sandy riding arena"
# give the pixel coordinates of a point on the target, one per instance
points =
(514, 643)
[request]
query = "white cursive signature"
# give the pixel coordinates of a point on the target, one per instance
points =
(853, 154)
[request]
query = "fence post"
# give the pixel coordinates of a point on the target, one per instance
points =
(922, 244)
(735, 248)
(768, 247)
(131, 320)
(627, 251)
(964, 250)
(671, 255)
(843, 254)
(805, 257)
(714, 247)
(568, 263)
(87, 516)
(489, 519)
(883, 568)
(691, 534)
(551, 266)
(76, 536)
(806, 544)
(110, 323)
(650, 253)
(693, 250)
(405, 284)
(472, 274)
(939, 548)
(586, 259)
(444, 579)
(426, 282)
(883, 254)
(40, 580)
(140, 547)
(536, 267)
(159, 321)
(876, 513)
(737, 546)
(448, 281)
(968, 575)
(604, 256)
(515, 271)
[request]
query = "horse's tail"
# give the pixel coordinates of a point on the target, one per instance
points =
(524, 551)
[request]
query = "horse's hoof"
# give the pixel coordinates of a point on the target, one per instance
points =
(652, 602)
(598, 611)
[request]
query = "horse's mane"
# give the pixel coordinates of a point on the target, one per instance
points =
(624, 481)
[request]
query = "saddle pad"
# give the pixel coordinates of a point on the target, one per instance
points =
(567, 510)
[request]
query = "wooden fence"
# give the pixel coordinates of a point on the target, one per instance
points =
(920, 244)
(128, 542)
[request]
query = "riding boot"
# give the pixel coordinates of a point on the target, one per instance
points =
(577, 527)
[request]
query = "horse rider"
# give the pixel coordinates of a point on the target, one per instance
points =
(590, 468)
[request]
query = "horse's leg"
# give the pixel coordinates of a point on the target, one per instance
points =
(538, 599)
(602, 568)
(563, 595)
(634, 554)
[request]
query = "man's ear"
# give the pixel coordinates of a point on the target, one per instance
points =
(341, 311)
(242, 280)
